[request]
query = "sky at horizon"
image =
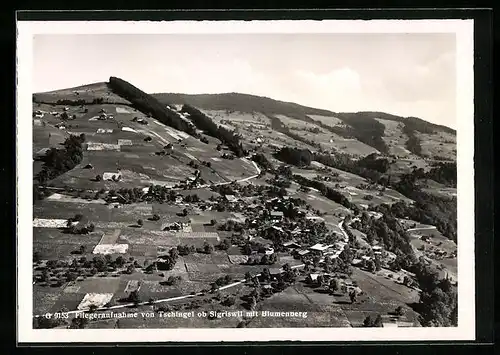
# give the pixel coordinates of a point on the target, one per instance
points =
(402, 74)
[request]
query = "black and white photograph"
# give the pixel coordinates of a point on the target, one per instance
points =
(233, 181)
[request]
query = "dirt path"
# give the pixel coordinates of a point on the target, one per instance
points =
(128, 305)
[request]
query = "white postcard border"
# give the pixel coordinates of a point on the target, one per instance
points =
(465, 188)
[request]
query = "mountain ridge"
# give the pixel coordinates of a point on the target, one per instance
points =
(203, 100)
(198, 98)
(386, 133)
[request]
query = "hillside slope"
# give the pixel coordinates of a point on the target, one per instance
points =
(362, 126)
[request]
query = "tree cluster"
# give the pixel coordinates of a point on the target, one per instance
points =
(168, 261)
(386, 230)
(368, 168)
(263, 162)
(295, 156)
(373, 321)
(221, 281)
(438, 298)
(374, 162)
(444, 173)
(262, 260)
(58, 161)
(364, 127)
(428, 209)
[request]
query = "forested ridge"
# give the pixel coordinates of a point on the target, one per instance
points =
(150, 105)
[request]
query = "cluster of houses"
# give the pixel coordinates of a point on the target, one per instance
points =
(434, 252)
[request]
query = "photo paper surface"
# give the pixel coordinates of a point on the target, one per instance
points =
(245, 181)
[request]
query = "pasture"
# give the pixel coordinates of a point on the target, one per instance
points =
(438, 145)
(394, 137)
(85, 92)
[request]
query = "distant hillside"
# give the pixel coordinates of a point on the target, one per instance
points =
(360, 125)
(240, 102)
(253, 103)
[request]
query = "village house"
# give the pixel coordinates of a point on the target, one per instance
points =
(275, 272)
(267, 288)
(340, 244)
(313, 277)
(276, 216)
(356, 262)
(336, 254)
(320, 249)
(269, 250)
(440, 252)
(178, 226)
(111, 176)
(231, 198)
(303, 252)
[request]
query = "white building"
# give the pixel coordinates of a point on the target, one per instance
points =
(109, 176)
(231, 198)
(320, 248)
(269, 251)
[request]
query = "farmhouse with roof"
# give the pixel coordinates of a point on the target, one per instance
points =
(320, 249)
(276, 216)
(231, 198)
